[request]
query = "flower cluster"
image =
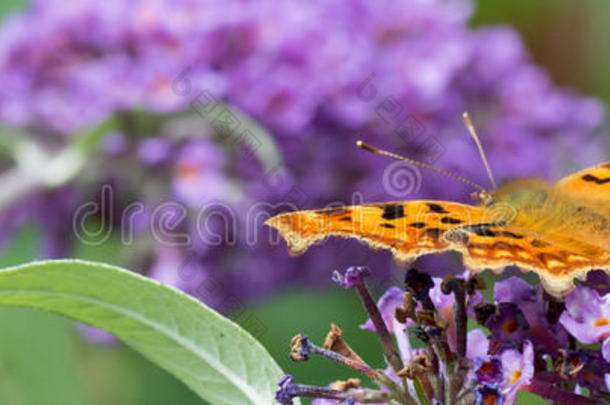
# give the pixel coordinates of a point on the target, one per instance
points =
(525, 340)
(316, 75)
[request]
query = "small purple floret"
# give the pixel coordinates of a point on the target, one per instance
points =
(587, 315)
(488, 369)
(488, 394)
(353, 276)
(285, 394)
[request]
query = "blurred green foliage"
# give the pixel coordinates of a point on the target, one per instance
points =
(38, 361)
(567, 37)
(7, 7)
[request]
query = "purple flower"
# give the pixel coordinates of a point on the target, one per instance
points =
(169, 268)
(518, 369)
(354, 276)
(488, 370)
(598, 280)
(533, 307)
(507, 325)
(477, 348)
(584, 366)
(478, 345)
(444, 303)
(198, 177)
(488, 394)
(115, 143)
(514, 289)
(490, 378)
(285, 394)
(587, 315)
(154, 151)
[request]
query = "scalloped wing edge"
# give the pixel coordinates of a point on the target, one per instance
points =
(556, 285)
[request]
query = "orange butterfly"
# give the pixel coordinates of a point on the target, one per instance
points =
(560, 231)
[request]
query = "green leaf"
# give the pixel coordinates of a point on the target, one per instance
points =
(38, 350)
(213, 356)
(527, 398)
(9, 7)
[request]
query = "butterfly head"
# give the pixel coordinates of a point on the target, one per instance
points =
(483, 197)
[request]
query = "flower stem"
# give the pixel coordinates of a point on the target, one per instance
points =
(362, 395)
(419, 389)
(301, 348)
(461, 320)
(399, 394)
(389, 347)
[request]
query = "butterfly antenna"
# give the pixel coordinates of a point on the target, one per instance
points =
(473, 133)
(373, 149)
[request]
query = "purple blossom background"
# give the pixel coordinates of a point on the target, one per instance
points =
(316, 76)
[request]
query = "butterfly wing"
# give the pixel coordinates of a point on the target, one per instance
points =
(556, 261)
(414, 228)
(589, 183)
(409, 229)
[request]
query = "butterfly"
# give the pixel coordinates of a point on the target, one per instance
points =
(560, 231)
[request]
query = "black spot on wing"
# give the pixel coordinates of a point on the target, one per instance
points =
(389, 226)
(485, 229)
(347, 218)
(418, 225)
(393, 211)
(481, 230)
(509, 234)
(449, 220)
(593, 179)
(485, 232)
(436, 208)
